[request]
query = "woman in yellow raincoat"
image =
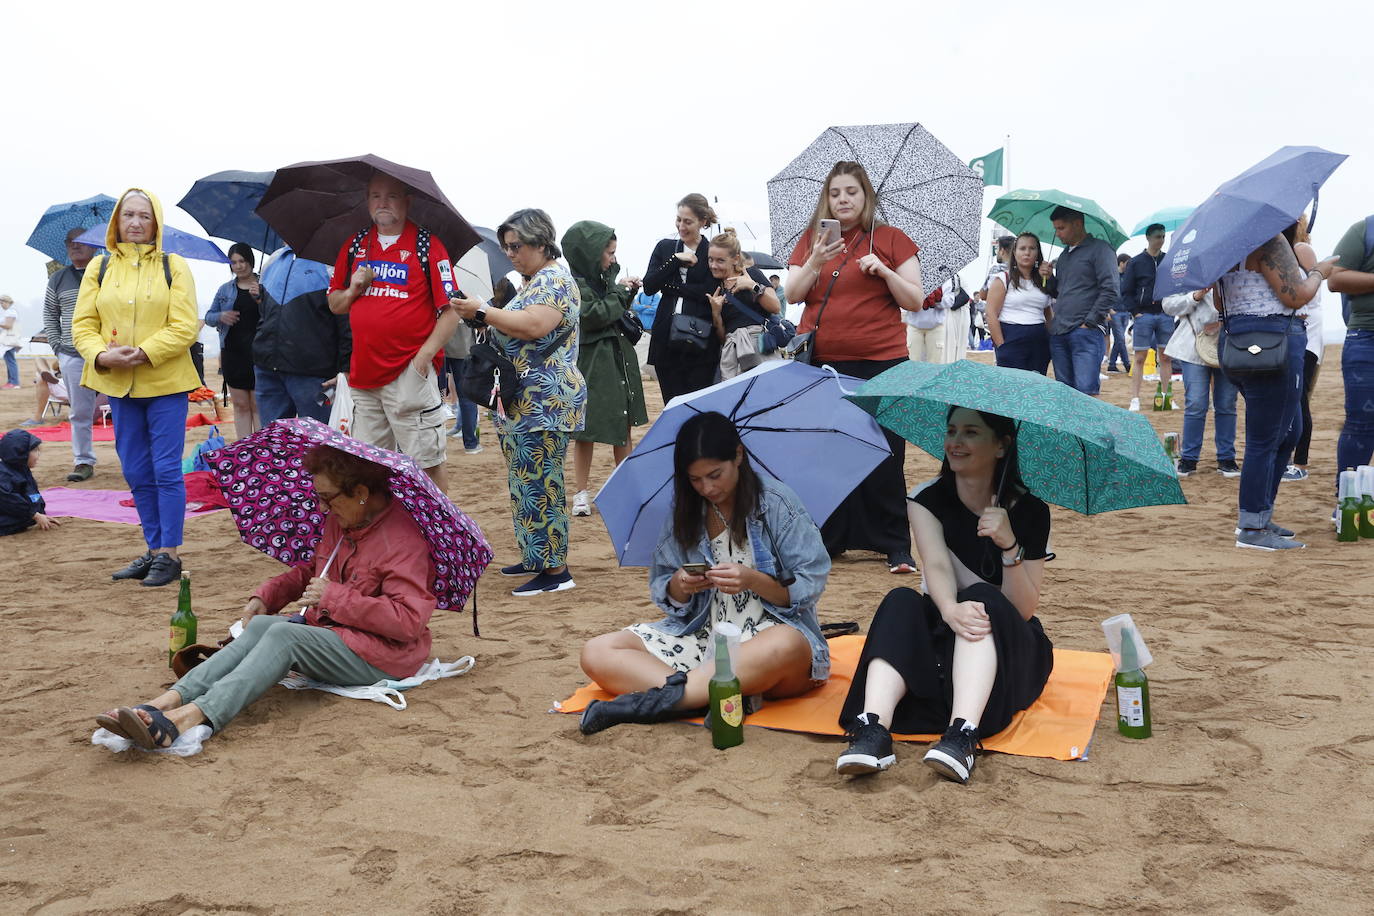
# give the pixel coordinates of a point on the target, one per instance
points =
(134, 324)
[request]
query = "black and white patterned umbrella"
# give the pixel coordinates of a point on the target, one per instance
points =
(923, 189)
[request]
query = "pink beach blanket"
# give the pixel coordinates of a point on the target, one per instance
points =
(102, 505)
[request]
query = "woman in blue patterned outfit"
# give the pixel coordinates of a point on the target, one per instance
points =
(538, 333)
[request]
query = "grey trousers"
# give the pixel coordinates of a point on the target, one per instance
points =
(244, 670)
(82, 408)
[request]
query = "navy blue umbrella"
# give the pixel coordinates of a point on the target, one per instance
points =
(174, 241)
(50, 235)
(223, 205)
(1242, 215)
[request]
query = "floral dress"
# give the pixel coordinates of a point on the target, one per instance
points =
(744, 610)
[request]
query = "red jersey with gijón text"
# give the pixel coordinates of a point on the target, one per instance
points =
(393, 319)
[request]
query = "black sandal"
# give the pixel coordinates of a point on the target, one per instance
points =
(844, 628)
(148, 737)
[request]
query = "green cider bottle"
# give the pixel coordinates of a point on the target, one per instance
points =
(1132, 692)
(1168, 398)
(1159, 396)
(1365, 476)
(727, 705)
(183, 628)
(1348, 511)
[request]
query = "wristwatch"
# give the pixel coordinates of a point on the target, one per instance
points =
(1017, 558)
(758, 290)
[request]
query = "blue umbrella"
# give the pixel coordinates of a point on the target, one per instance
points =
(50, 235)
(1170, 218)
(1243, 214)
(793, 421)
(223, 205)
(174, 241)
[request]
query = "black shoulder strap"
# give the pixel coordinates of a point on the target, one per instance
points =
(167, 269)
(100, 275)
(422, 250)
(105, 262)
(355, 248)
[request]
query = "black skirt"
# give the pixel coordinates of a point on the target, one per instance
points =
(873, 515)
(910, 635)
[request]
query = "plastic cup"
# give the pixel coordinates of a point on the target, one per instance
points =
(1112, 627)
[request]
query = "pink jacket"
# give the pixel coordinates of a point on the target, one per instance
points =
(379, 598)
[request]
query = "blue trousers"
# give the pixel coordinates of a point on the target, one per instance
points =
(150, 434)
(467, 410)
(1203, 385)
(1356, 444)
(285, 394)
(11, 367)
(1025, 346)
(1271, 402)
(1119, 351)
(1078, 357)
(538, 501)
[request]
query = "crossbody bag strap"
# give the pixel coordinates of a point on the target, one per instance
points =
(825, 300)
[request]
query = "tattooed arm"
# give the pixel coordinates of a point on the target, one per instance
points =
(1293, 286)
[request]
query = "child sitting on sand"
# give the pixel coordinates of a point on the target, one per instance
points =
(21, 505)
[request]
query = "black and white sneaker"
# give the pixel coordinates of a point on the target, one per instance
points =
(1228, 468)
(870, 748)
(544, 583)
(953, 756)
(1186, 467)
(516, 570)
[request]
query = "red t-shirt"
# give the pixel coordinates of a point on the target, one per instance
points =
(393, 319)
(862, 320)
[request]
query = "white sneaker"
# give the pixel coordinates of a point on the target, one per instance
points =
(580, 504)
(1135, 405)
(448, 411)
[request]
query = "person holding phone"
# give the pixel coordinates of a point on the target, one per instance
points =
(738, 547)
(1019, 307)
(738, 329)
(856, 275)
(677, 269)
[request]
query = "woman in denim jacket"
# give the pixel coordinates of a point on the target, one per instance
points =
(766, 569)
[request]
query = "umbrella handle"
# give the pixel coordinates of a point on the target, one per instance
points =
(833, 371)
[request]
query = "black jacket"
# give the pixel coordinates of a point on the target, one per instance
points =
(302, 337)
(19, 497)
(1138, 285)
(665, 274)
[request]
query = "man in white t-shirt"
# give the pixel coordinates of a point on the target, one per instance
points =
(9, 340)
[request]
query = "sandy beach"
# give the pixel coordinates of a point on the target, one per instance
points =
(1253, 796)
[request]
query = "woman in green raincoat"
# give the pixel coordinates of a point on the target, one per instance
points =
(615, 394)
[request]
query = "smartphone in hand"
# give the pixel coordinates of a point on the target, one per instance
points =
(830, 231)
(696, 569)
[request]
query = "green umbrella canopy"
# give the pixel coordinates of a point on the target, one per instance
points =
(1029, 211)
(1074, 450)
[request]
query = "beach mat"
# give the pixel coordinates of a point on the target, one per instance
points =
(1059, 725)
(102, 505)
(62, 432)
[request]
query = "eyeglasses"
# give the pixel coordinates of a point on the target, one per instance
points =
(512, 248)
(327, 499)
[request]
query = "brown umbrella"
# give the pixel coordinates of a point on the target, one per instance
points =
(317, 207)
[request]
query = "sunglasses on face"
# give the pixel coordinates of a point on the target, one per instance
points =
(512, 248)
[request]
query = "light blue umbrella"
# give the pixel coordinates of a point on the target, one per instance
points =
(1170, 218)
(795, 425)
(174, 241)
(50, 235)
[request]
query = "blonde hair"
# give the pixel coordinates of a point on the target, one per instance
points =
(726, 240)
(868, 219)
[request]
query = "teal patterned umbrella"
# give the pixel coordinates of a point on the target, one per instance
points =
(1074, 450)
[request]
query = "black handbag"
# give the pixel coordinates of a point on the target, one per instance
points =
(629, 327)
(689, 334)
(490, 379)
(1251, 353)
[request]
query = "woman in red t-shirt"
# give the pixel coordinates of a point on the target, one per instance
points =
(861, 281)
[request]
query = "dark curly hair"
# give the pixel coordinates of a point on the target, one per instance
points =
(348, 471)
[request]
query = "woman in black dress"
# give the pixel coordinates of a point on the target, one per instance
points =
(967, 655)
(235, 313)
(677, 268)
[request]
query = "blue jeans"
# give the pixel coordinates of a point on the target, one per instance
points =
(1024, 346)
(1078, 357)
(1271, 402)
(1119, 351)
(1201, 385)
(467, 410)
(1356, 444)
(150, 434)
(11, 367)
(285, 394)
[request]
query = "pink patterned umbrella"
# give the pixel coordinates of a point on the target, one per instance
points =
(273, 501)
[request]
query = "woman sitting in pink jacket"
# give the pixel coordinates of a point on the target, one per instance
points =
(366, 623)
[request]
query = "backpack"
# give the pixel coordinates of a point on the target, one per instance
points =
(355, 249)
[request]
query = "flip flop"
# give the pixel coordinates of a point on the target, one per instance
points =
(148, 737)
(111, 725)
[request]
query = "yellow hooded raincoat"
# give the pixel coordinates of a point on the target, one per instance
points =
(134, 307)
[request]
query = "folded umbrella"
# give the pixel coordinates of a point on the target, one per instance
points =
(794, 424)
(922, 188)
(50, 235)
(174, 241)
(1025, 210)
(223, 205)
(1243, 214)
(274, 504)
(1170, 218)
(765, 261)
(1073, 450)
(317, 207)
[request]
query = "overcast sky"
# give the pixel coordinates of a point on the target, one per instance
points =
(614, 110)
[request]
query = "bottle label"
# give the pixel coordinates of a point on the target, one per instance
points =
(732, 710)
(176, 639)
(1130, 706)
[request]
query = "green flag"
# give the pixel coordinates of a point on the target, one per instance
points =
(989, 167)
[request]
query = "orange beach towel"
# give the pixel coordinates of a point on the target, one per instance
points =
(1058, 725)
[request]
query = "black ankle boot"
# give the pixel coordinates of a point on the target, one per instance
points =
(137, 569)
(165, 569)
(657, 704)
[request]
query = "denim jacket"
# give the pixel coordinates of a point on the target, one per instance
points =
(223, 302)
(782, 535)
